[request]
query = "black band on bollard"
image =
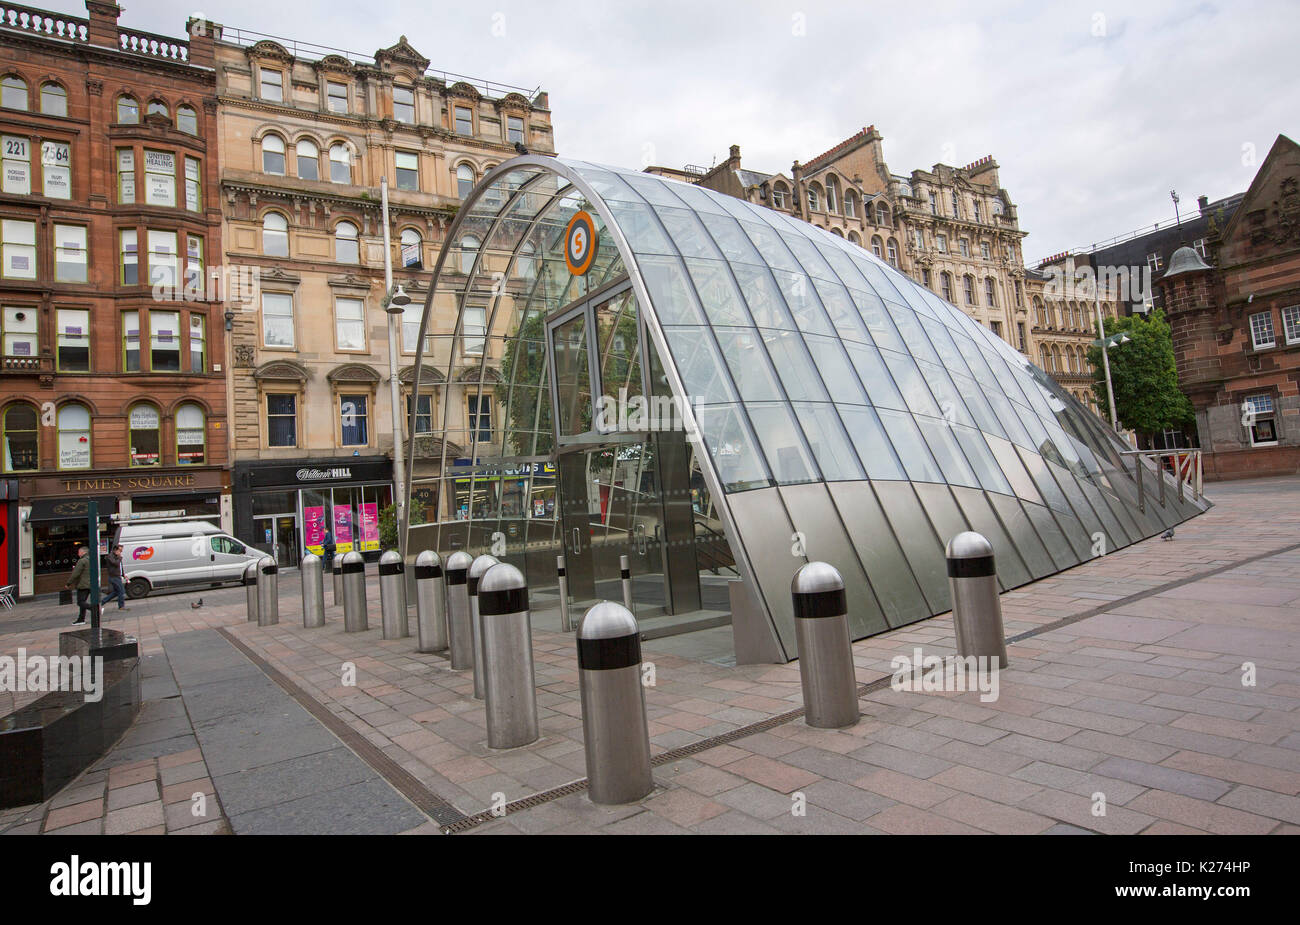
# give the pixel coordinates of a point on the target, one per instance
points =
(818, 604)
(627, 573)
(456, 576)
(507, 600)
(427, 571)
(351, 568)
(338, 566)
(977, 567)
(609, 654)
(559, 573)
(390, 568)
(270, 569)
(472, 581)
(250, 580)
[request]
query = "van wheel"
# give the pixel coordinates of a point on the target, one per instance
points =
(137, 588)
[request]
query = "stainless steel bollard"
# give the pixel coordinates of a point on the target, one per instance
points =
(250, 589)
(625, 573)
(821, 630)
(430, 603)
(976, 608)
(615, 733)
(392, 596)
(356, 615)
(509, 682)
(460, 636)
(268, 592)
(337, 572)
(566, 625)
(478, 568)
(313, 591)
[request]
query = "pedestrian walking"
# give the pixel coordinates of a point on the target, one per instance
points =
(80, 579)
(115, 569)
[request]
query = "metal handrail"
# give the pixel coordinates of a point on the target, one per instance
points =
(1187, 467)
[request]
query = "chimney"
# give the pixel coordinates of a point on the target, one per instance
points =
(103, 23)
(1203, 203)
(204, 35)
(735, 154)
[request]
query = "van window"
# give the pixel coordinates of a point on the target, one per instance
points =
(226, 544)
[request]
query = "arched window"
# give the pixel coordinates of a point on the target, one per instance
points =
(191, 436)
(882, 214)
(13, 92)
(891, 248)
(464, 181)
(22, 439)
(128, 110)
(850, 204)
(1043, 361)
(54, 99)
(832, 194)
(308, 159)
(74, 436)
(275, 235)
(469, 246)
(780, 196)
(346, 248)
(837, 232)
(144, 428)
(945, 284)
(968, 284)
(273, 154)
(854, 237)
(1039, 313)
(815, 197)
(878, 246)
(412, 248)
(989, 297)
(158, 108)
(187, 120)
(340, 163)
(527, 261)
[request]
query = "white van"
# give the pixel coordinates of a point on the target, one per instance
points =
(180, 553)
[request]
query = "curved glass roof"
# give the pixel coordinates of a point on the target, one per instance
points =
(837, 409)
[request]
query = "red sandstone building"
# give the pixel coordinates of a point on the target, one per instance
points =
(110, 388)
(1236, 327)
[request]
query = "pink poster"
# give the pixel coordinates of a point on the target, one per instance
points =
(313, 529)
(342, 529)
(369, 527)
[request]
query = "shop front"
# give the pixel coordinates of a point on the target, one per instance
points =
(284, 509)
(53, 511)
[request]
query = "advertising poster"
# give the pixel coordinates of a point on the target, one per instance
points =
(369, 527)
(342, 529)
(313, 524)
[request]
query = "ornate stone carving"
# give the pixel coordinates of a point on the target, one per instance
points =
(245, 356)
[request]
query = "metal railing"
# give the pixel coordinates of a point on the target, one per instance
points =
(1185, 466)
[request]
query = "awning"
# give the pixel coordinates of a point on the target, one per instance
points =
(46, 509)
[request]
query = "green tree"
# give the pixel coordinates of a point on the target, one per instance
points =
(388, 525)
(1144, 375)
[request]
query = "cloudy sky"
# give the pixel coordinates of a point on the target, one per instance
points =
(1093, 110)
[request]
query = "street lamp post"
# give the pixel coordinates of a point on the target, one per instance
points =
(394, 303)
(1106, 343)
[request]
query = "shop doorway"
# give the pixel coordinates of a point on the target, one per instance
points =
(277, 536)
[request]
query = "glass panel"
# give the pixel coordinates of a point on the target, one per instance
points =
(748, 364)
(573, 376)
(718, 293)
(765, 303)
(829, 443)
(782, 445)
(873, 446)
(738, 464)
(670, 291)
(792, 364)
(911, 448)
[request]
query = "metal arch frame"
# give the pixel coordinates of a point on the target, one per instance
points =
(652, 325)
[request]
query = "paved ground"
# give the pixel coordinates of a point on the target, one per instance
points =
(1136, 701)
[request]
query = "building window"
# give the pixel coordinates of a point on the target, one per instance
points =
(20, 333)
(941, 243)
(945, 283)
(812, 199)
(964, 247)
(158, 108)
(160, 177)
(308, 159)
(125, 175)
(985, 252)
(128, 110)
(346, 247)
(989, 298)
(18, 249)
(475, 331)
(934, 204)
(778, 195)
(975, 206)
(281, 420)
(480, 418)
(411, 326)
(877, 247)
(198, 343)
(163, 268)
(272, 85)
(423, 414)
(831, 198)
(408, 171)
(1019, 297)
(193, 185)
(891, 248)
(996, 327)
(882, 214)
(404, 105)
(194, 264)
(273, 155)
(277, 319)
(1020, 336)
(191, 436)
(850, 204)
(1258, 414)
(1199, 246)
(17, 165)
(21, 439)
(925, 277)
(164, 341)
(1154, 262)
(275, 235)
(464, 181)
(349, 324)
(1262, 335)
(464, 121)
(72, 351)
(353, 420)
(468, 251)
(131, 342)
(1291, 323)
(340, 163)
(74, 436)
(56, 169)
(514, 130)
(412, 249)
(130, 258)
(968, 284)
(70, 264)
(13, 92)
(187, 120)
(337, 96)
(145, 427)
(956, 208)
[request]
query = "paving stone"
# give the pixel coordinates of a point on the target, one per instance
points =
(1162, 778)
(133, 818)
(122, 797)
